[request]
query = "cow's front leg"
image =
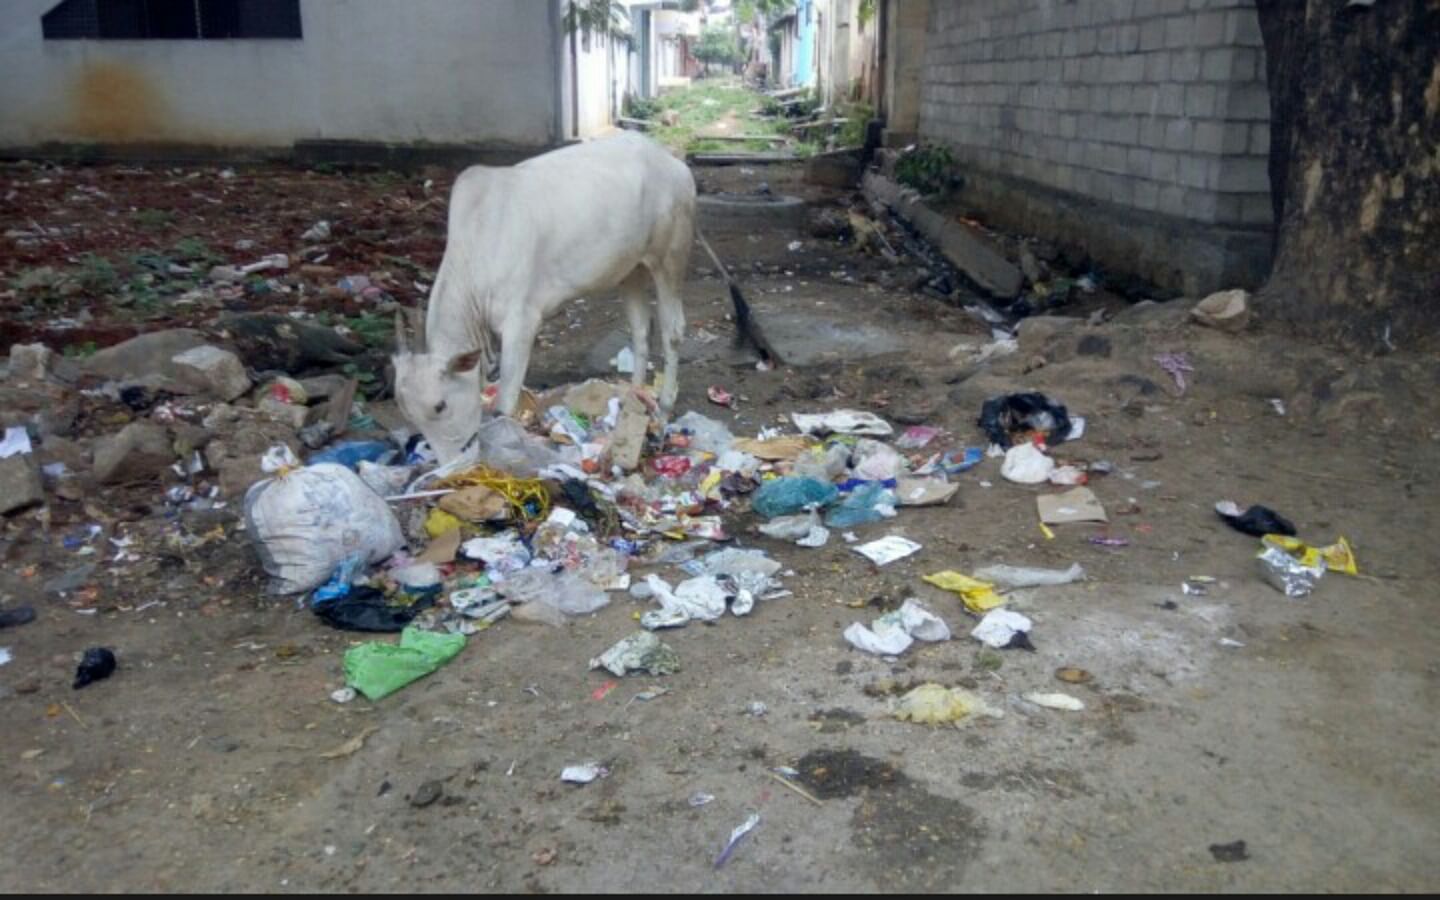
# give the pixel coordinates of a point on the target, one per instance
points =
(515, 347)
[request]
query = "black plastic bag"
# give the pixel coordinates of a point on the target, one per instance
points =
(20, 615)
(365, 609)
(1006, 417)
(1257, 520)
(98, 664)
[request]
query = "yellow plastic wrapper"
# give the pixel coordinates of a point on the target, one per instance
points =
(934, 704)
(710, 487)
(1338, 557)
(439, 522)
(979, 596)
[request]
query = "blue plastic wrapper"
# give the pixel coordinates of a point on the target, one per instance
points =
(788, 496)
(853, 483)
(352, 453)
(339, 584)
(863, 506)
(972, 458)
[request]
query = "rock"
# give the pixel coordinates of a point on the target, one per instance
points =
(45, 408)
(145, 355)
(20, 485)
(213, 371)
(1094, 345)
(1036, 331)
(1228, 311)
(321, 387)
(236, 475)
(1030, 266)
(670, 118)
(37, 362)
(292, 415)
(69, 580)
(140, 452)
(188, 438)
(71, 454)
(234, 453)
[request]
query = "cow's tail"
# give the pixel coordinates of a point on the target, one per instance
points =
(747, 330)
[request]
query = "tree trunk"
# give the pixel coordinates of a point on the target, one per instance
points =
(1355, 169)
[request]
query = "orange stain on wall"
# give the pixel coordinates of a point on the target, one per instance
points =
(113, 102)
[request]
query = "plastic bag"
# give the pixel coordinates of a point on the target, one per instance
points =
(1027, 464)
(1012, 577)
(825, 464)
(978, 596)
(866, 504)
(894, 632)
(503, 443)
(641, 652)
(1256, 521)
(875, 461)
(366, 609)
(1002, 629)
(788, 496)
(1011, 418)
(706, 434)
(379, 670)
(351, 453)
(567, 592)
(387, 481)
(305, 522)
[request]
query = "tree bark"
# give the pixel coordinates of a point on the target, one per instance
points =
(1355, 169)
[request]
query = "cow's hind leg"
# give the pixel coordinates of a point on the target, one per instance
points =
(633, 290)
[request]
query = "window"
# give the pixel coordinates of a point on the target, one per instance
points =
(171, 19)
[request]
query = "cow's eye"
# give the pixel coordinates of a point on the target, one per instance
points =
(440, 407)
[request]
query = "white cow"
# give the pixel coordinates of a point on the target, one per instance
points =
(525, 240)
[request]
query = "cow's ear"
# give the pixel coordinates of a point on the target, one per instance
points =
(464, 362)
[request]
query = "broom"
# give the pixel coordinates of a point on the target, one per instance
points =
(747, 330)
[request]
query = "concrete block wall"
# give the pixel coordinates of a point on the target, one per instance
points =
(1157, 106)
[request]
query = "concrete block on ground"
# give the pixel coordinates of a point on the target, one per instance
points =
(965, 248)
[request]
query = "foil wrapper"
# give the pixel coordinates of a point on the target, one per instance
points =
(1287, 574)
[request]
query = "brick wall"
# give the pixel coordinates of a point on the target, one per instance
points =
(1155, 105)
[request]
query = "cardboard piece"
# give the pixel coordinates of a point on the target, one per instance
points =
(773, 450)
(1078, 505)
(477, 504)
(925, 491)
(442, 550)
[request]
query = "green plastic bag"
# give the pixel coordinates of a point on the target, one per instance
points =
(379, 670)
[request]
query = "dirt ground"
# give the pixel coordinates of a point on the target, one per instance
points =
(1308, 734)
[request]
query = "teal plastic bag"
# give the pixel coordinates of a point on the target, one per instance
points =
(379, 670)
(862, 507)
(788, 496)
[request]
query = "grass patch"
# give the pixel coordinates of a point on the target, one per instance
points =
(699, 107)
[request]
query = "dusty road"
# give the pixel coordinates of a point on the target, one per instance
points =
(1309, 734)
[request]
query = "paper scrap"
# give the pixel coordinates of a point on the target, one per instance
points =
(887, 550)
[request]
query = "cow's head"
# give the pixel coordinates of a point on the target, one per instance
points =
(441, 394)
